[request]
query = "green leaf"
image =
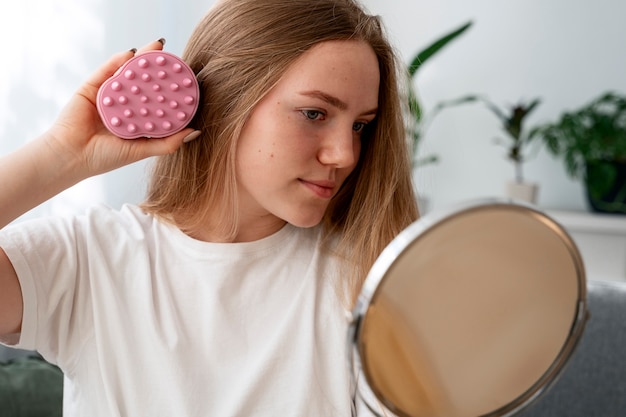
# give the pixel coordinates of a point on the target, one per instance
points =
(595, 131)
(434, 47)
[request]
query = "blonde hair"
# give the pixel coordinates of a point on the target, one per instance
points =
(239, 51)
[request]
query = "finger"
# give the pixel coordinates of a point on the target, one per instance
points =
(156, 45)
(109, 67)
(164, 146)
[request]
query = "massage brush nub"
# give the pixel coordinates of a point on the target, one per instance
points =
(155, 94)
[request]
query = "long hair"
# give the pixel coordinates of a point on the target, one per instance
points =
(239, 51)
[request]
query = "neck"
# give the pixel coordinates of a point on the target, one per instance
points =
(249, 231)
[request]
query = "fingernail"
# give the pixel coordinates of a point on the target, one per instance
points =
(162, 40)
(133, 50)
(192, 136)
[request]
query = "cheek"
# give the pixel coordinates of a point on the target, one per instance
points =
(255, 145)
(356, 149)
(275, 138)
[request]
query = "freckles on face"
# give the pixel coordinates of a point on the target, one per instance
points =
(302, 139)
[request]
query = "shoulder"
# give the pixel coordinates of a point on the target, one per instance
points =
(127, 215)
(99, 225)
(129, 221)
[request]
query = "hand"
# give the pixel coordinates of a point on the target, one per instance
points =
(79, 138)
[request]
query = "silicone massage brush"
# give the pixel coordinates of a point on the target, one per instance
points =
(155, 94)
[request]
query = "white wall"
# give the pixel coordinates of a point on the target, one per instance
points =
(564, 51)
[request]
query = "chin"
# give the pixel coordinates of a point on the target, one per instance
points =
(305, 221)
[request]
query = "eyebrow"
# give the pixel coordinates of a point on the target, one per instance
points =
(333, 101)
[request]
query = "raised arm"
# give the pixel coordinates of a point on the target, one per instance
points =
(76, 147)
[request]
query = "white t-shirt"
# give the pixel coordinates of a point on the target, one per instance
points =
(146, 321)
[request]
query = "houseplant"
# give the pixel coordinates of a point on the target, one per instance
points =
(591, 141)
(517, 140)
(415, 128)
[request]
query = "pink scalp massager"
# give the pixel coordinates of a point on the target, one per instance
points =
(155, 94)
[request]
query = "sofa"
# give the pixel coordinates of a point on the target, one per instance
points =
(30, 387)
(593, 383)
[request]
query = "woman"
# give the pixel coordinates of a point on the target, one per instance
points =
(225, 292)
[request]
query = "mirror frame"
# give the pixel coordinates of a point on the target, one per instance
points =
(405, 239)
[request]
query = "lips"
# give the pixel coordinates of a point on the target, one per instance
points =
(323, 189)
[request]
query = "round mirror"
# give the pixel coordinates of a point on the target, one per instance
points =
(470, 312)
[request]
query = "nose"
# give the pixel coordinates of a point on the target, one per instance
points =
(340, 148)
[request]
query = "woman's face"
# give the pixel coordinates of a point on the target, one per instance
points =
(304, 137)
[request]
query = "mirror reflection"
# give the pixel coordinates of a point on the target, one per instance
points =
(470, 313)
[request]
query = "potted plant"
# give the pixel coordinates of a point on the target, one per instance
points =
(416, 115)
(591, 141)
(518, 139)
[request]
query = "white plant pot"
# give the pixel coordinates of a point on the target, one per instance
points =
(522, 191)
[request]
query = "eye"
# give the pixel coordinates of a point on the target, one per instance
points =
(359, 127)
(313, 114)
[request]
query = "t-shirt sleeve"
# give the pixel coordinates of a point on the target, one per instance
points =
(46, 257)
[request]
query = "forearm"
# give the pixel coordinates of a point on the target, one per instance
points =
(31, 175)
(28, 177)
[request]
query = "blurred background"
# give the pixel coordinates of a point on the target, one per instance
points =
(564, 52)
